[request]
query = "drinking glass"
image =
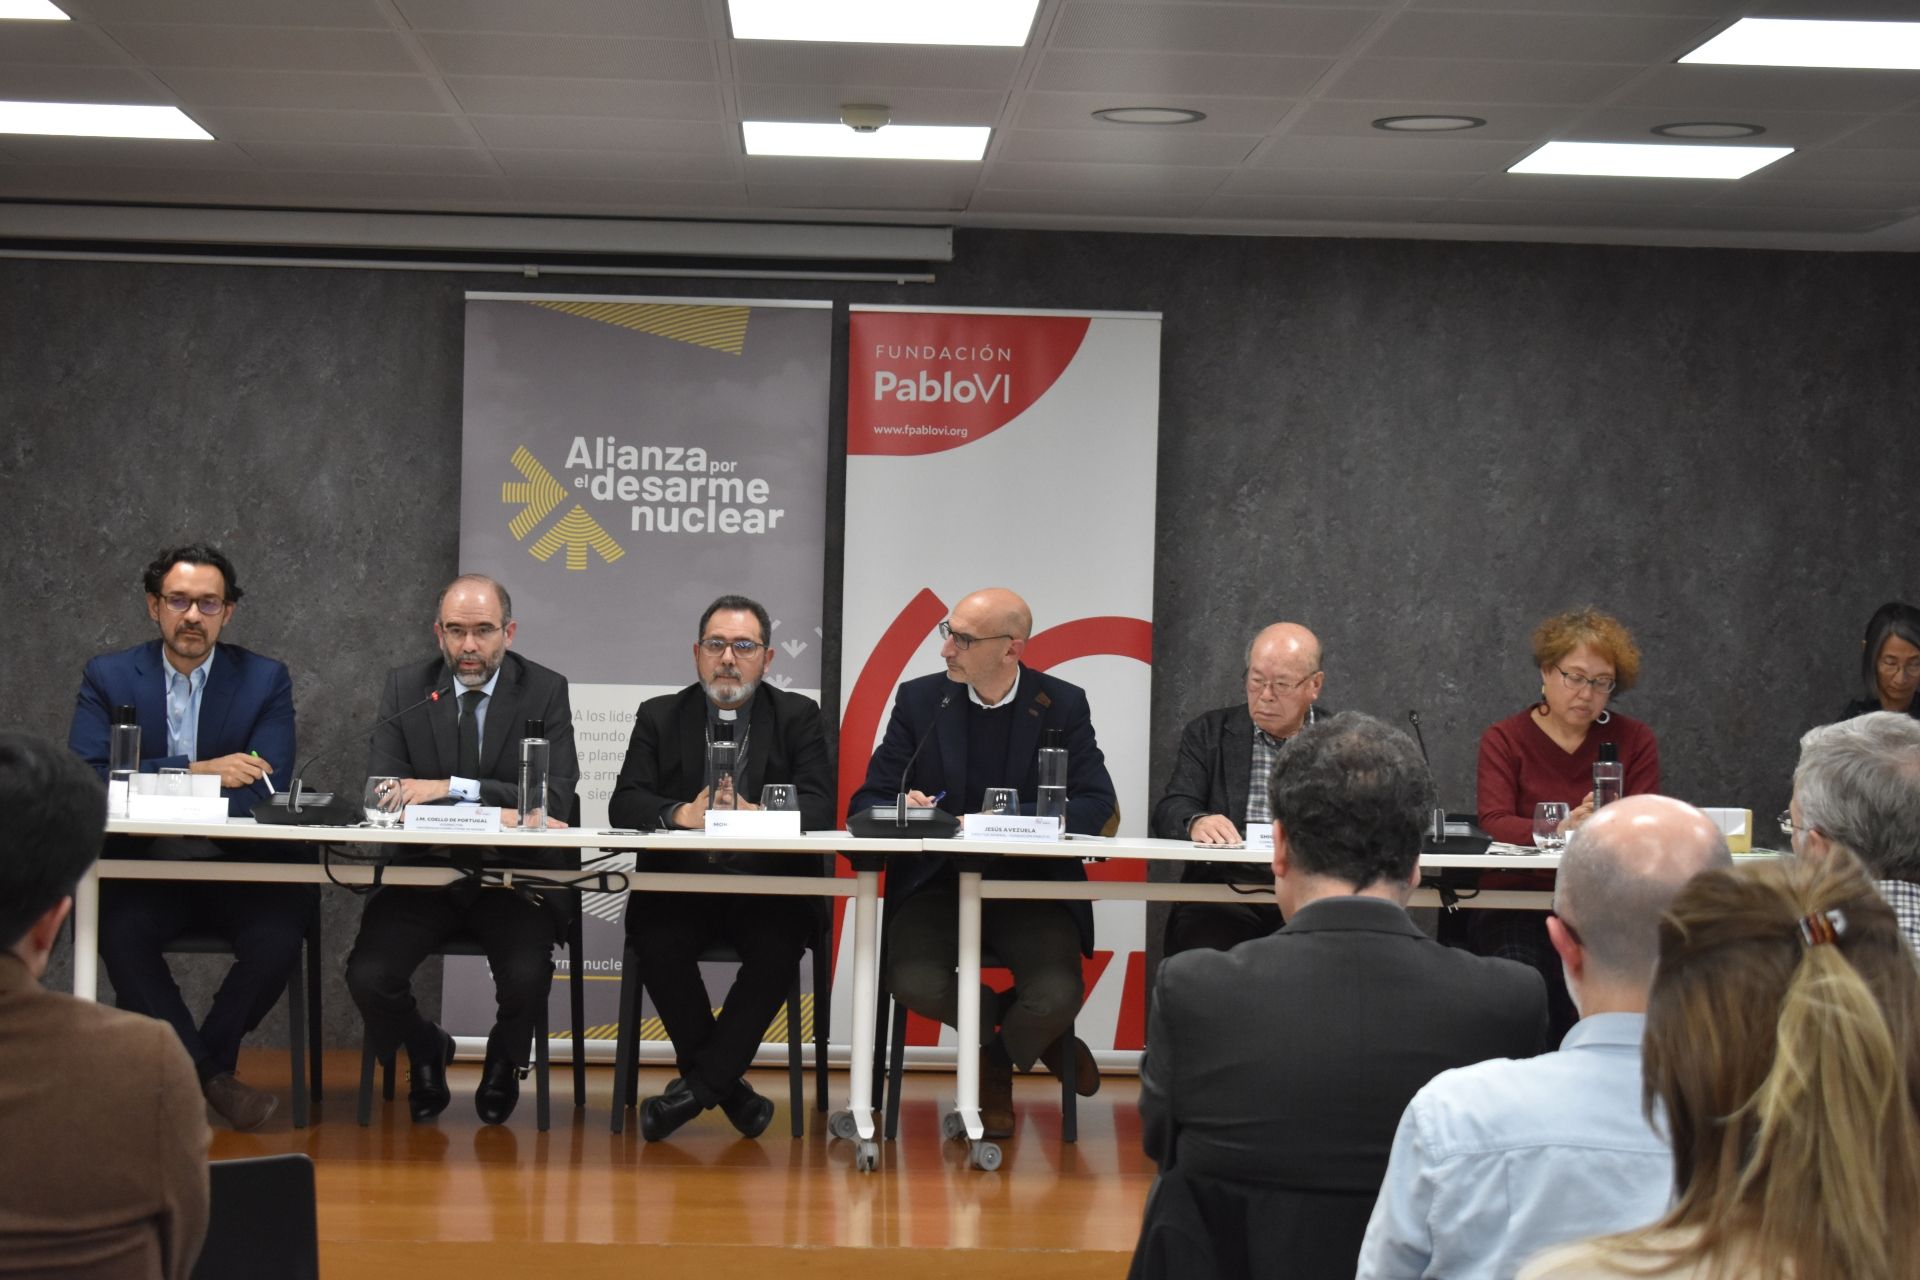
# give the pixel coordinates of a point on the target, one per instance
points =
(382, 802)
(1001, 800)
(176, 782)
(1547, 817)
(779, 797)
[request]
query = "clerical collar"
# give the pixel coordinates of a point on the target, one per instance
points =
(993, 707)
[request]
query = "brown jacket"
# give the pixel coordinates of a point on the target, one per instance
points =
(103, 1140)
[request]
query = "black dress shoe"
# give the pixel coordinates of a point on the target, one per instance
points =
(427, 1092)
(499, 1091)
(660, 1116)
(749, 1112)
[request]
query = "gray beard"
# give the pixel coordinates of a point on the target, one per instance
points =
(747, 689)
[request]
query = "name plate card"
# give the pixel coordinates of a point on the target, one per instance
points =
(753, 824)
(473, 819)
(150, 808)
(1008, 826)
(1260, 838)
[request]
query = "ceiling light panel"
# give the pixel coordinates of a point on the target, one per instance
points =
(1648, 160)
(989, 22)
(30, 11)
(895, 142)
(98, 120)
(1803, 42)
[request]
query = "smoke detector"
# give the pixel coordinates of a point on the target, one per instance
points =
(865, 117)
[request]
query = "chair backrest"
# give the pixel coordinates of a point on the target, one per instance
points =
(261, 1220)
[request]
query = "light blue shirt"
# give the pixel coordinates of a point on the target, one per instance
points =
(469, 788)
(183, 694)
(1497, 1161)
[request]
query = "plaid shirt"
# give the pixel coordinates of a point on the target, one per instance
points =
(1904, 897)
(1265, 751)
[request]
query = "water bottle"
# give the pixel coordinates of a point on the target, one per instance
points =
(723, 762)
(123, 759)
(1609, 776)
(535, 751)
(1051, 800)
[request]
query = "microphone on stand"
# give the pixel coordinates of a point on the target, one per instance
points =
(900, 797)
(286, 807)
(936, 823)
(1413, 718)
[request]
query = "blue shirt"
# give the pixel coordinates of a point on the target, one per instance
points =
(1494, 1162)
(182, 696)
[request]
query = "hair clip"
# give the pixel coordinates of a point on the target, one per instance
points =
(1823, 927)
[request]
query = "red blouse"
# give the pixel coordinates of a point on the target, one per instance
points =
(1520, 766)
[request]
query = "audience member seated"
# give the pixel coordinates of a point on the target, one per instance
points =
(1889, 662)
(1783, 1049)
(1496, 1161)
(1275, 1072)
(101, 1117)
(1857, 786)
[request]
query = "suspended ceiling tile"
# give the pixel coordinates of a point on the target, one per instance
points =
(569, 56)
(1120, 204)
(1034, 176)
(673, 19)
(1750, 89)
(1448, 152)
(1505, 122)
(614, 166)
(264, 48)
(269, 13)
(59, 44)
(1401, 184)
(603, 133)
(1209, 28)
(1426, 81)
(303, 91)
(1134, 74)
(1127, 145)
(324, 158)
(388, 128)
(1319, 208)
(550, 96)
(25, 82)
(1539, 37)
(867, 66)
(609, 196)
(1224, 115)
(912, 104)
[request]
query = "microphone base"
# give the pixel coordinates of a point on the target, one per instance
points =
(311, 813)
(882, 822)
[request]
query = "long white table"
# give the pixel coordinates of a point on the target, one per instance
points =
(855, 1121)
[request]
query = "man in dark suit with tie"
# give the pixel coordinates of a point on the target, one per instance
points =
(463, 746)
(987, 713)
(209, 708)
(1218, 788)
(1275, 1073)
(664, 786)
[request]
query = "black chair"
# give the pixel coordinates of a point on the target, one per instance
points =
(303, 1007)
(626, 1054)
(261, 1220)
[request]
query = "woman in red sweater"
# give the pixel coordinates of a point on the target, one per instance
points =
(1546, 752)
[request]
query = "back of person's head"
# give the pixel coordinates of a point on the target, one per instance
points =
(1858, 784)
(1353, 795)
(1620, 872)
(1783, 1043)
(55, 812)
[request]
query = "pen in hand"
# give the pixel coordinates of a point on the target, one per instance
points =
(266, 778)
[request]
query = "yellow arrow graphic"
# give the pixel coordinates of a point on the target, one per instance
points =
(539, 494)
(577, 532)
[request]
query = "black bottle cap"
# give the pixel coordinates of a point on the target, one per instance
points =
(126, 715)
(1054, 740)
(1609, 753)
(535, 729)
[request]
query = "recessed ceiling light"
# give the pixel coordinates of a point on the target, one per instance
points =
(1427, 124)
(31, 11)
(1808, 42)
(1648, 160)
(895, 142)
(1149, 115)
(1708, 129)
(996, 22)
(98, 120)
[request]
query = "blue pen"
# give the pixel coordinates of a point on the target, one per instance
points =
(935, 802)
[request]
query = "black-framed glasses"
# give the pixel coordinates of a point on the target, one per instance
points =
(1280, 688)
(482, 634)
(961, 640)
(1890, 665)
(1786, 824)
(716, 645)
(1599, 684)
(209, 606)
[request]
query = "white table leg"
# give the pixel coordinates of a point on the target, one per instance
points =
(966, 1102)
(86, 935)
(866, 997)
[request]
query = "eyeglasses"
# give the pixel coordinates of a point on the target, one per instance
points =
(209, 606)
(961, 640)
(715, 646)
(1786, 824)
(457, 634)
(1599, 684)
(1279, 688)
(1890, 665)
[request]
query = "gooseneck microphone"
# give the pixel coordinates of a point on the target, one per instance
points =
(876, 824)
(900, 797)
(1413, 718)
(335, 812)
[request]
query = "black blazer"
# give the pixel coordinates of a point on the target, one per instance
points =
(1284, 1064)
(425, 742)
(1044, 702)
(1212, 774)
(666, 765)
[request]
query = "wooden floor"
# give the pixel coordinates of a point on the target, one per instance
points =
(458, 1198)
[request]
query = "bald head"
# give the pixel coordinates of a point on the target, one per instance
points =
(998, 611)
(1283, 678)
(1285, 640)
(1620, 873)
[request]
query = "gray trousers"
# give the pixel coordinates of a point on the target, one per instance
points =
(1038, 941)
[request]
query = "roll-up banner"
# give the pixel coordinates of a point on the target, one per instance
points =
(623, 462)
(1011, 449)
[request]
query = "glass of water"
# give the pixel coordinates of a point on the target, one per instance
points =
(1548, 816)
(779, 797)
(176, 782)
(1001, 800)
(382, 802)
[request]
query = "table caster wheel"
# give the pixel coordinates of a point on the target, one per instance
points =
(840, 1125)
(986, 1156)
(866, 1157)
(952, 1126)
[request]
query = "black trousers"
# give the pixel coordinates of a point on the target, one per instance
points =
(264, 923)
(670, 930)
(1218, 926)
(402, 927)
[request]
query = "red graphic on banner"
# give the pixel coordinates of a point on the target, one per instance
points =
(920, 383)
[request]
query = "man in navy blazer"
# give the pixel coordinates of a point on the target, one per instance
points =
(987, 713)
(212, 708)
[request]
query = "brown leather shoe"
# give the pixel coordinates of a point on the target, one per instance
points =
(242, 1106)
(996, 1094)
(1086, 1075)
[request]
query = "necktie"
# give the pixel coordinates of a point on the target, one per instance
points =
(470, 734)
